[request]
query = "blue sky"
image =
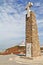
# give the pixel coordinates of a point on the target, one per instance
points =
(12, 21)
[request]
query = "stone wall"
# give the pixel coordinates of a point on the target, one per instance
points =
(32, 34)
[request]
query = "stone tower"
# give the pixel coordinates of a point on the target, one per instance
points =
(32, 40)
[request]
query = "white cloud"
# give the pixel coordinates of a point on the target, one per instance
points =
(40, 34)
(40, 27)
(11, 26)
(40, 22)
(37, 4)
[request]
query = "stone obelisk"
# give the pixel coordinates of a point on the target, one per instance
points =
(32, 40)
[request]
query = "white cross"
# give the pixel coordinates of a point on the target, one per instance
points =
(29, 5)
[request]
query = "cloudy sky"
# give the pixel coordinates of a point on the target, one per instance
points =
(12, 21)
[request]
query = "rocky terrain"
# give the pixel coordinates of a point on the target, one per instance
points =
(16, 50)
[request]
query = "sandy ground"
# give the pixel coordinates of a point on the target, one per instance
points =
(8, 60)
(30, 61)
(17, 60)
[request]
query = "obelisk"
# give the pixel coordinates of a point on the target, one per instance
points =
(32, 39)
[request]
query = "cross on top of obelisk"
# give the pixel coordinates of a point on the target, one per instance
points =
(29, 5)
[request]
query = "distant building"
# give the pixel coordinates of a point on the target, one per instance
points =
(22, 43)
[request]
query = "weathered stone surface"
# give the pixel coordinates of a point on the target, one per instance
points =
(32, 34)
